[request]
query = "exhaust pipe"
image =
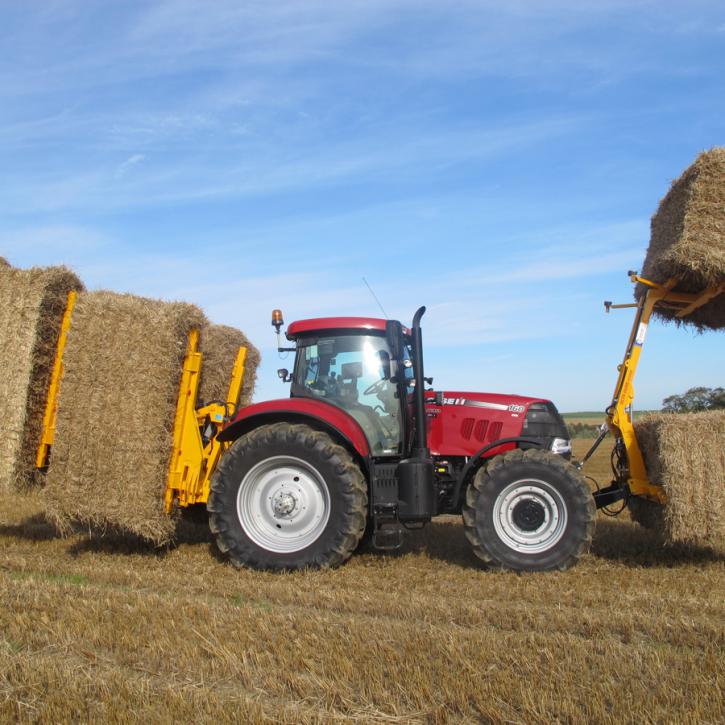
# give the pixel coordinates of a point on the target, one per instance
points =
(415, 474)
(421, 435)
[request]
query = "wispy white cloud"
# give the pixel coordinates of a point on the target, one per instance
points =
(230, 175)
(131, 161)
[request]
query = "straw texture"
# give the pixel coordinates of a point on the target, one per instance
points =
(116, 410)
(688, 237)
(219, 346)
(32, 303)
(685, 454)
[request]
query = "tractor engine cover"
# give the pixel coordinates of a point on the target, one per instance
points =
(461, 423)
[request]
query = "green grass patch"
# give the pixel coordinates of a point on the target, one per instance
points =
(75, 579)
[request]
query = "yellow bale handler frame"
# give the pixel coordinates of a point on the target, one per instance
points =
(632, 471)
(196, 450)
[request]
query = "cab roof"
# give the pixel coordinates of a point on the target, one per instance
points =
(352, 324)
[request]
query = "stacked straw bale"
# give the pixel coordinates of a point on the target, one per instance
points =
(32, 303)
(116, 410)
(688, 237)
(219, 346)
(685, 454)
(4, 262)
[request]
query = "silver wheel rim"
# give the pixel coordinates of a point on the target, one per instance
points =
(283, 504)
(530, 516)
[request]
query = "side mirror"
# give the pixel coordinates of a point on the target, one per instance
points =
(284, 375)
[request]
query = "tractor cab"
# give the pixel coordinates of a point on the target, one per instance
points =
(351, 363)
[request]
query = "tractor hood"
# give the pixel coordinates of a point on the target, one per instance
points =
(491, 401)
(461, 422)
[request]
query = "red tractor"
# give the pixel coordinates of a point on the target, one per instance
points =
(361, 451)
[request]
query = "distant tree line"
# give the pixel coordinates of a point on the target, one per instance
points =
(695, 400)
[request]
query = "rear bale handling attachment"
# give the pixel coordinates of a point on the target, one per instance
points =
(630, 473)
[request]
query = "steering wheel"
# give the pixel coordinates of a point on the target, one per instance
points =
(377, 387)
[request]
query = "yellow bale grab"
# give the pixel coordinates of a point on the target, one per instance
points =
(632, 470)
(196, 450)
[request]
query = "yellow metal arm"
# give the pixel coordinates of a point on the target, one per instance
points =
(196, 450)
(620, 411)
(47, 435)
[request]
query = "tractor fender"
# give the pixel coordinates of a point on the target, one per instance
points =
(473, 460)
(317, 413)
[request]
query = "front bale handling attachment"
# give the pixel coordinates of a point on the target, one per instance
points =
(196, 450)
(628, 466)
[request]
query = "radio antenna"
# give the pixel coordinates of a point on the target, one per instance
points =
(375, 297)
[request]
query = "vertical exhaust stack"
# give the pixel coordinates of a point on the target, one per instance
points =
(415, 474)
(421, 436)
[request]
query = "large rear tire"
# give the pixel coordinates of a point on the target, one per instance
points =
(529, 511)
(287, 497)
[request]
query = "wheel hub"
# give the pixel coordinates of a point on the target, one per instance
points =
(528, 514)
(284, 503)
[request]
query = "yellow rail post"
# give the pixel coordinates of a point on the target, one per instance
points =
(47, 435)
(186, 453)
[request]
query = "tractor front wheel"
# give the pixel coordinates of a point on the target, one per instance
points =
(529, 511)
(287, 497)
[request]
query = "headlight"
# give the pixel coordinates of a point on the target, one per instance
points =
(561, 446)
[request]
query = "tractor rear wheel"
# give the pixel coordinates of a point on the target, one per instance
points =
(286, 496)
(529, 511)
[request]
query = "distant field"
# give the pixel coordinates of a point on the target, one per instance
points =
(593, 416)
(583, 415)
(584, 424)
(95, 630)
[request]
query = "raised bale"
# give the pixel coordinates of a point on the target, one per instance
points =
(219, 346)
(684, 453)
(32, 303)
(688, 237)
(116, 409)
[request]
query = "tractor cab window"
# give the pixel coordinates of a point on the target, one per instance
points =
(353, 372)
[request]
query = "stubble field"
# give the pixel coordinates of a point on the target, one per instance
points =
(111, 630)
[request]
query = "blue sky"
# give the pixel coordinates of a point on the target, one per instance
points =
(497, 162)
